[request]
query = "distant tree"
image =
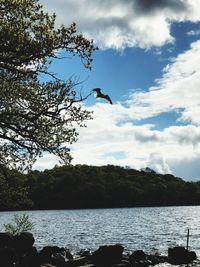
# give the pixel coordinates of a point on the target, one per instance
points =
(14, 193)
(83, 186)
(37, 115)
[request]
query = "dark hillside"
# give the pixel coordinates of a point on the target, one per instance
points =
(83, 186)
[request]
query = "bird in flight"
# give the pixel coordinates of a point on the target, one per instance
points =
(99, 94)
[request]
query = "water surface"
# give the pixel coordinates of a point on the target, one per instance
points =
(149, 229)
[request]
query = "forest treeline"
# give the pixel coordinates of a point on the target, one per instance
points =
(83, 186)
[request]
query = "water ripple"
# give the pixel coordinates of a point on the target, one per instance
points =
(149, 229)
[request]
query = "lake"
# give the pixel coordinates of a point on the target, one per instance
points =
(150, 229)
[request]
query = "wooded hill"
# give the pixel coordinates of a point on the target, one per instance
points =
(83, 186)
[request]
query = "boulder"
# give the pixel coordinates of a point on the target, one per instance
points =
(76, 262)
(126, 262)
(7, 257)
(23, 242)
(122, 264)
(6, 240)
(55, 255)
(47, 252)
(47, 265)
(137, 256)
(84, 253)
(180, 255)
(143, 263)
(67, 254)
(156, 259)
(108, 255)
(58, 259)
(30, 259)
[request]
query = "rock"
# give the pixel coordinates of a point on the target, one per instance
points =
(7, 257)
(47, 252)
(30, 259)
(108, 255)
(180, 255)
(76, 262)
(140, 259)
(47, 265)
(68, 254)
(142, 263)
(23, 242)
(6, 240)
(192, 255)
(55, 255)
(84, 253)
(137, 256)
(119, 265)
(125, 257)
(126, 263)
(58, 259)
(122, 264)
(156, 259)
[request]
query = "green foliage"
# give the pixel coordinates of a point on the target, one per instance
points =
(14, 193)
(83, 186)
(21, 223)
(37, 116)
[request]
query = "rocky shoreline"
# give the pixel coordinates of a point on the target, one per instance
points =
(19, 251)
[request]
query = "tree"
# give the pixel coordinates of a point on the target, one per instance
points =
(37, 115)
(14, 192)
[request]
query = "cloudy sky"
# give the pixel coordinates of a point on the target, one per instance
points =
(149, 64)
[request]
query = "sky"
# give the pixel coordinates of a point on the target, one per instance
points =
(148, 62)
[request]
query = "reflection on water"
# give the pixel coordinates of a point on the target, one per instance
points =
(150, 229)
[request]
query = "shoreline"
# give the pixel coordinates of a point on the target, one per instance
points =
(19, 251)
(133, 228)
(101, 208)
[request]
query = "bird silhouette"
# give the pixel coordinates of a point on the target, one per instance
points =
(99, 94)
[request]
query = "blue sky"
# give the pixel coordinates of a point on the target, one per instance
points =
(148, 62)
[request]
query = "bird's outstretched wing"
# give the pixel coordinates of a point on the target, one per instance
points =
(108, 98)
(99, 94)
(97, 90)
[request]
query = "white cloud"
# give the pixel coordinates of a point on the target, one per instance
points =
(109, 139)
(193, 33)
(118, 24)
(107, 136)
(48, 161)
(158, 163)
(177, 89)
